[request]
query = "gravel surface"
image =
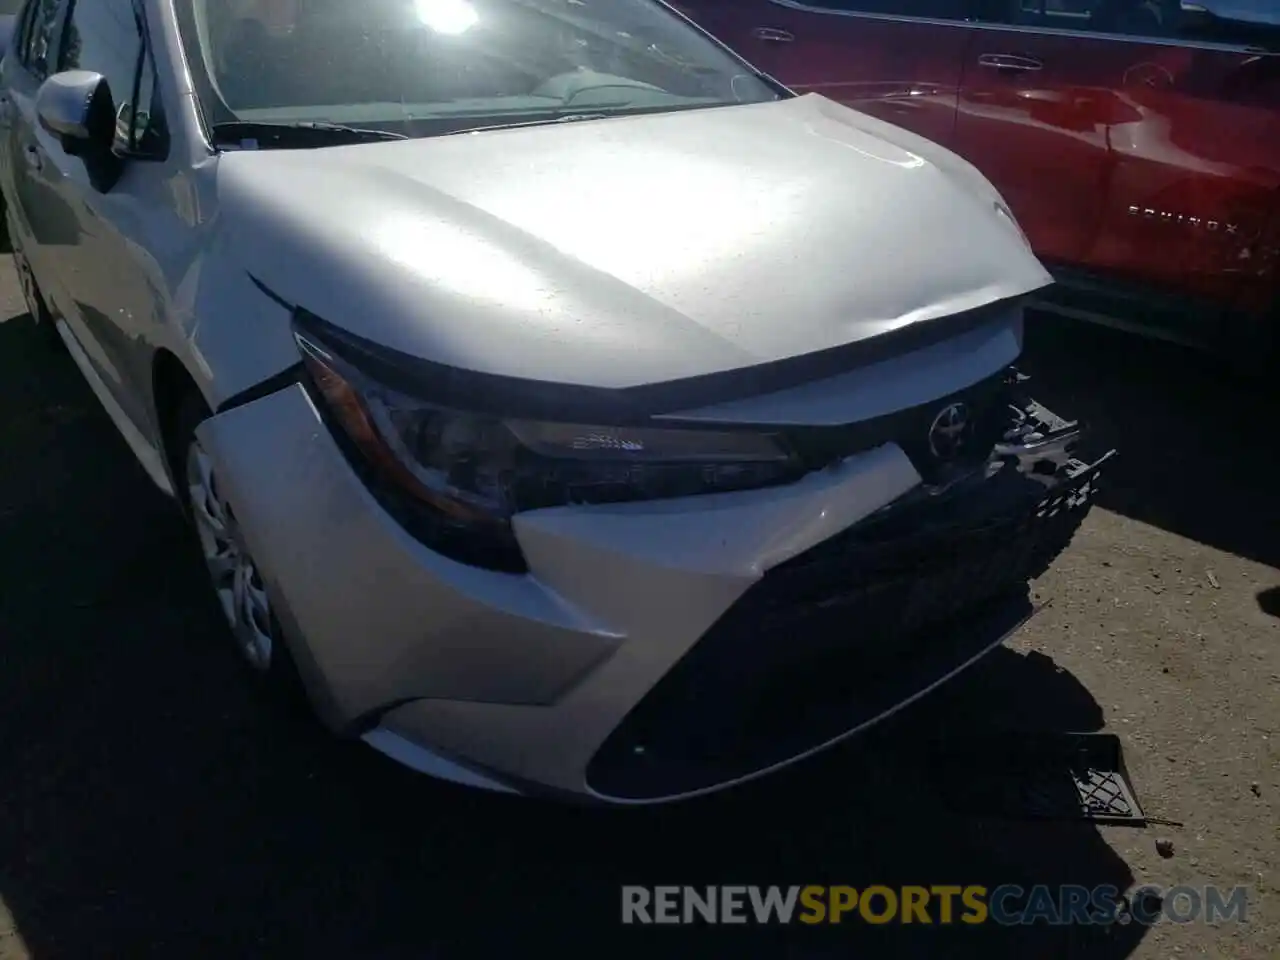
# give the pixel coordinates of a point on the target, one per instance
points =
(153, 804)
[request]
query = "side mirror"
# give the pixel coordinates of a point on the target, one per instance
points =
(70, 106)
(76, 107)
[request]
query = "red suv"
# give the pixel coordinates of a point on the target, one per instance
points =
(1137, 141)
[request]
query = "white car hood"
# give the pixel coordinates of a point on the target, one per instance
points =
(628, 251)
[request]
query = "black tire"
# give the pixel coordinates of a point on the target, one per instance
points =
(1252, 350)
(49, 334)
(280, 676)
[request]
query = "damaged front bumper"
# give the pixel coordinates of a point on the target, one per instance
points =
(847, 633)
(655, 650)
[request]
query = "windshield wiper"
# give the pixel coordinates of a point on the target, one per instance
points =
(303, 133)
(566, 118)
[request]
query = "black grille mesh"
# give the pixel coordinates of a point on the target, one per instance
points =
(835, 636)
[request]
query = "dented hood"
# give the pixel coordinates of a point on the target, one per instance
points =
(628, 251)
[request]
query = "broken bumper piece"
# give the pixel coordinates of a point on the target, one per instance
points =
(861, 625)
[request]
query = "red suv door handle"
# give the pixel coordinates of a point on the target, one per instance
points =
(1009, 61)
(772, 35)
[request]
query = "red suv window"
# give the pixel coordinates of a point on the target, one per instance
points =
(925, 9)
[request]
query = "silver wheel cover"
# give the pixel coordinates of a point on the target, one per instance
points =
(235, 576)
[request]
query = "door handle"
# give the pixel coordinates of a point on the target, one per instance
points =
(772, 35)
(31, 154)
(1009, 61)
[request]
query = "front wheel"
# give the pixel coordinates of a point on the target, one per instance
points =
(233, 573)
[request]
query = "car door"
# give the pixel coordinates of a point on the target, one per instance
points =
(899, 60)
(1038, 101)
(41, 218)
(112, 282)
(1197, 174)
(10, 64)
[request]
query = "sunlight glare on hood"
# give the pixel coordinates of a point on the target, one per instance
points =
(654, 218)
(461, 262)
(446, 16)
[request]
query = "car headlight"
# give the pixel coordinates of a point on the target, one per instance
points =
(455, 478)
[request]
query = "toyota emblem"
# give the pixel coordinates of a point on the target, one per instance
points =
(949, 430)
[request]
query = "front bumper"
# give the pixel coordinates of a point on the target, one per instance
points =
(635, 660)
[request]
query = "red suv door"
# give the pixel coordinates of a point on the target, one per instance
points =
(1197, 175)
(729, 21)
(1035, 108)
(1137, 141)
(899, 60)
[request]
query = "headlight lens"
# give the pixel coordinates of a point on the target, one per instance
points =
(455, 478)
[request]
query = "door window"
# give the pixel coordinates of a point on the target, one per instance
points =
(36, 46)
(106, 36)
(1144, 18)
(1068, 13)
(924, 9)
(149, 136)
(1243, 23)
(22, 30)
(1249, 23)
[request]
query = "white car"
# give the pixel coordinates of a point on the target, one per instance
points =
(563, 404)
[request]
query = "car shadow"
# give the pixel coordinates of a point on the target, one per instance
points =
(152, 803)
(1192, 434)
(1269, 601)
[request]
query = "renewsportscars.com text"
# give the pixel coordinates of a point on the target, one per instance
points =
(1008, 904)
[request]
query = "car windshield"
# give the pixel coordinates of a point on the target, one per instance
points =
(425, 67)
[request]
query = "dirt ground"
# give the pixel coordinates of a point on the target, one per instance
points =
(152, 804)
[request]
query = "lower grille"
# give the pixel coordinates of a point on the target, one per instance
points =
(837, 636)
(925, 563)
